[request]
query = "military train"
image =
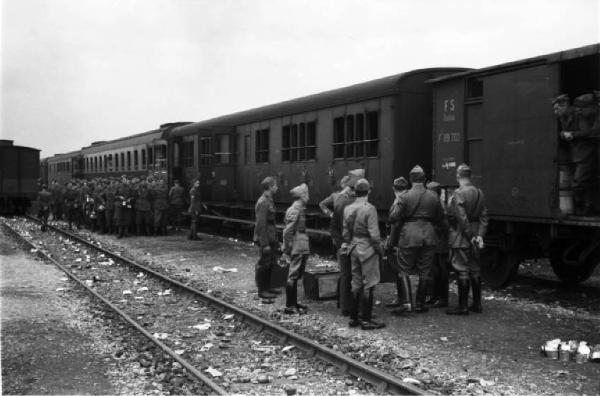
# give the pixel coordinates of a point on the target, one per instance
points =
(498, 119)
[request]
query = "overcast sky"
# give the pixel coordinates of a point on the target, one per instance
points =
(76, 71)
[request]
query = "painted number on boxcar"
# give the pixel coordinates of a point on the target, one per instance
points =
(449, 108)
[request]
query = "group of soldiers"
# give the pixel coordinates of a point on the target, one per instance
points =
(580, 124)
(425, 235)
(121, 206)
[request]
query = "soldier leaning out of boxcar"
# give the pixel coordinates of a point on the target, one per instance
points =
(414, 218)
(363, 242)
(467, 215)
(295, 246)
(45, 202)
(265, 235)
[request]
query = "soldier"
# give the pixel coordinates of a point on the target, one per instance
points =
(195, 209)
(265, 235)
(326, 205)
(109, 198)
(403, 290)
(45, 202)
(72, 204)
(361, 238)
(176, 204)
(296, 246)
(143, 210)
(439, 270)
(468, 220)
(100, 206)
(57, 200)
(413, 218)
(583, 152)
(123, 207)
(343, 199)
(160, 205)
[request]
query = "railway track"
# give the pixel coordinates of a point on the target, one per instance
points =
(234, 326)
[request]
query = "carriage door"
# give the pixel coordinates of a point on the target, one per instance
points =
(474, 128)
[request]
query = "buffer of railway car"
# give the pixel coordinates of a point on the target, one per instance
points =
(381, 381)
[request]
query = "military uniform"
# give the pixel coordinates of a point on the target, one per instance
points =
(109, 212)
(160, 205)
(195, 211)
(439, 270)
(143, 210)
(72, 204)
(45, 202)
(362, 238)
(99, 207)
(265, 235)
(467, 215)
(176, 204)
(342, 200)
(295, 244)
(123, 208)
(414, 217)
(57, 200)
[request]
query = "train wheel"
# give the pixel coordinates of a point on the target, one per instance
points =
(498, 268)
(564, 258)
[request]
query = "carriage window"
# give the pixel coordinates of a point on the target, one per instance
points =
(223, 150)
(298, 142)
(338, 137)
(261, 154)
(116, 162)
(350, 136)
(95, 164)
(474, 88)
(110, 162)
(356, 135)
(129, 160)
(187, 154)
(135, 160)
(205, 157)
(122, 161)
(372, 135)
(143, 158)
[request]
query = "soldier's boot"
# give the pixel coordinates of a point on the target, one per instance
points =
(476, 288)
(121, 232)
(421, 296)
(405, 296)
(367, 317)
(398, 301)
(192, 235)
(300, 307)
(138, 229)
(441, 285)
(262, 280)
(354, 302)
(291, 298)
(463, 298)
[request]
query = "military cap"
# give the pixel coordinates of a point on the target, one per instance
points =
(463, 170)
(362, 185)
(417, 174)
(434, 186)
(400, 183)
(584, 100)
(344, 181)
(299, 190)
(563, 98)
(354, 176)
(268, 182)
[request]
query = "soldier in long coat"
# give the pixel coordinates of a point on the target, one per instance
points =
(108, 195)
(160, 206)
(57, 200)
(468, 219)
(403, 290)
(439, 270)
(176, 204)
(123, 207)
(363, 241)
(45, 202)
(195, 209)
(265, 235)
(143, 210)
(414, 218)
(72, 206)
(296, 246)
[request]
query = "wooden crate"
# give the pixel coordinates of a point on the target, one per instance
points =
(321, 285)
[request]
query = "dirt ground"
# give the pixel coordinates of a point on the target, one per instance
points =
(51, 341)
(497, 352)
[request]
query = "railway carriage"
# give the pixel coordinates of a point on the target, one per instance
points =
(500, 120)
(19, 177)
(383, 126)
(63, 167)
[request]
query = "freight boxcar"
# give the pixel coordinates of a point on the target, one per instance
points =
(19, 177)
(382, 125)
(500, 120)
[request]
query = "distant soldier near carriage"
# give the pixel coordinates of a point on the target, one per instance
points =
(195, 210)
(176, 204)
(45, 203)
(468, 219)
(265, 235)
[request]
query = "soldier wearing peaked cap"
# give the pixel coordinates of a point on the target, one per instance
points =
(414, 218)
(295, 245)
(326, 205)
(399, 187)
(362, 239)
(265, 235)
(467, 215)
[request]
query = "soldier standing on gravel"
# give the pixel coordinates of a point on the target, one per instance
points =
(143, 210)
(362, 239)
(45, 202)
(265, 235)
(414, 218)
(176, 204)
(72, 206)
(326, 205)
(439, 269)
(160, 206)
(296, 246)
(57, 200)
(195, 210)
(468, 220)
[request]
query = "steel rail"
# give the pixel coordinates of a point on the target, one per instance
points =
(383, 382)
(203, 378)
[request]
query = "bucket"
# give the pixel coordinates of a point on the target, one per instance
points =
(566, 202)
(564, 178)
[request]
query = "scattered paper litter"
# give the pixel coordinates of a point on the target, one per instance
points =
(443, 338)
(411, 381)
(139, 297)
(213, 372)
(180, 351)
(228, 316)
(78, 260)
(206, 347)
(60, 289)
(64, 278)
(221, 269)
(126, 292)
(140, 275)
(160, 336)
(33, 250)
(201, 326)
(142, 289)
(287, 348)
(165, 293)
